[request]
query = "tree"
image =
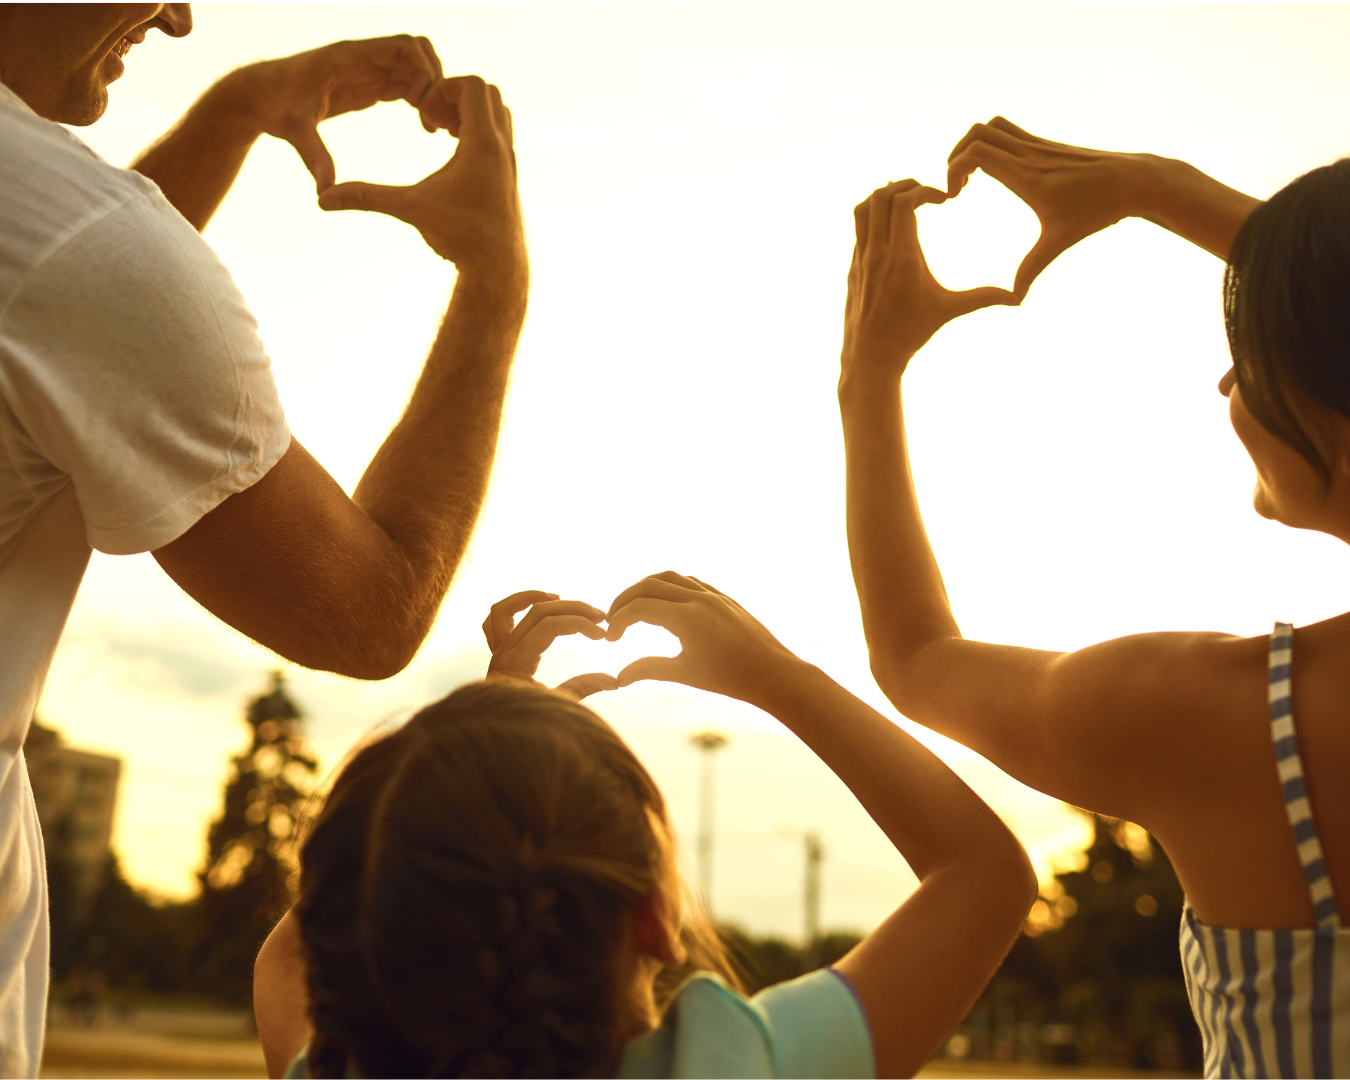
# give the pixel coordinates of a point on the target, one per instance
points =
(247, 881)
(1096, 973)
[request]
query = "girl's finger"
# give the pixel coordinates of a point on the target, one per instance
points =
(660, 586)
(659, 668)
(542, 611)
(501, 619)
(583, 686)
(669, 615)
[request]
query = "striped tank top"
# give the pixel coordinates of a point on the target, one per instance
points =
(1275, 1002)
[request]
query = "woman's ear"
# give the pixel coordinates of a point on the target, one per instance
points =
(656, 924)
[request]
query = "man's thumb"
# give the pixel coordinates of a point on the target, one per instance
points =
(380, 198)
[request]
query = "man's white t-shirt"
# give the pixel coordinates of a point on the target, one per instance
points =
(135, 396)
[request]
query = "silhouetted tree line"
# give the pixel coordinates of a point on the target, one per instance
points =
(122, 939)
(1096, 975)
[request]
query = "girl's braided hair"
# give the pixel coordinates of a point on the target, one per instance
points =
(462, 889)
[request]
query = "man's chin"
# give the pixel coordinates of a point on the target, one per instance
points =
(83, 109)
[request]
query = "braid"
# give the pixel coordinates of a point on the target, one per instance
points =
(463, 889)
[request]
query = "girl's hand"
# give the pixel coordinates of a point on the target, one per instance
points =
(517, 649)
(1075, 192)
(724, 649)
(894, 303)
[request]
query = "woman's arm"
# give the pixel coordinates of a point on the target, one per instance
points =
(1076, 192)
(1082, 726)
(920, 972)
(281, 996)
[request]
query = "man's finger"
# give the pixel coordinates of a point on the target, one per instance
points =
(660, 668)
(583, 686)
(475, 110)
(315, 155)
(501, 619)
(357, 195)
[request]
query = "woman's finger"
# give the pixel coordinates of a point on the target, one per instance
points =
(1006, 168)
(968, 300)
(904, 225)
(501, 619)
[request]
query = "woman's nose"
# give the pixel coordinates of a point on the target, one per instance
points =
(1227, 383)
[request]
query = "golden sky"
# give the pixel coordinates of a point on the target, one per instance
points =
(688, 174)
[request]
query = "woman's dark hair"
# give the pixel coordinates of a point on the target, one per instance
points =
(1286, 300)
(462, 889)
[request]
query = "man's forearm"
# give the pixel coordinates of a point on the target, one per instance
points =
(1186, 201)
(426, 484)
(198, 159)
(900, 590)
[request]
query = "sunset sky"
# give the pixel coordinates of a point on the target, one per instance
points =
(688, 175)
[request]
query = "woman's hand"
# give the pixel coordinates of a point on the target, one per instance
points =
(724, 648)
(1074, 191)
(894, 303)
(517, 649)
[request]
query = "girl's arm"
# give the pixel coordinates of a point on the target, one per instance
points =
(281, 996)
(920, 972)
(1082, 726)
(1076, 192)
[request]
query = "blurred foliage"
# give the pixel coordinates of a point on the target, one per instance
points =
(207, 945)
(246, 885)
(768, 960)
(1096, 974)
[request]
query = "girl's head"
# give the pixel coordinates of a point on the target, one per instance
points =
(1287, 310)
(488, 891)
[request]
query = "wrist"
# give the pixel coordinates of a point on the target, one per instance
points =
(863, 386)
(231, 104)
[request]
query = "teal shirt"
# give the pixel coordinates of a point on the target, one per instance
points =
(809, 1027)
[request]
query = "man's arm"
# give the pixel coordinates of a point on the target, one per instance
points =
(352, 585)
(1076, 192)
(197, 160)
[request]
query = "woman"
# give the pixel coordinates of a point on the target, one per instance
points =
(491, 890)
(1173, 731)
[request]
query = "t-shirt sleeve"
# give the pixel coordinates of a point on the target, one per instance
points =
(133, 366)
(819, 1027)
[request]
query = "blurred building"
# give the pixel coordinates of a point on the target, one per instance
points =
(76, 793)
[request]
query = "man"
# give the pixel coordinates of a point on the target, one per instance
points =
(137, 408)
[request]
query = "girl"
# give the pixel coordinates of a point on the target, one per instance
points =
(491, 889)
(1173, 731)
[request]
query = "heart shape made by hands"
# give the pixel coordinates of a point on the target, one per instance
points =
(979, 237)
(387, 144)
(574, 654)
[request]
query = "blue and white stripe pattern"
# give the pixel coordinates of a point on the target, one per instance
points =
(1275, 1002)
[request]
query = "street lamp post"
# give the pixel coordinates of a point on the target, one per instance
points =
(708, 743)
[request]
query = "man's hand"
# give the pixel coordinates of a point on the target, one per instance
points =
(724, 648)
(289, 98)
(1074, 191)
(517, 649)
(894, 303)
(468, 210)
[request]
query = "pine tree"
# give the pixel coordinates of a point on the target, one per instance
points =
(247, 881)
